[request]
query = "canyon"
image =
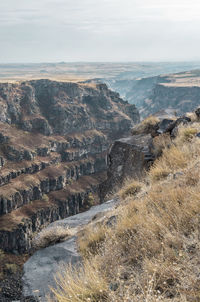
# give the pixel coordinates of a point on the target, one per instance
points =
(177, 91)
(53, 142)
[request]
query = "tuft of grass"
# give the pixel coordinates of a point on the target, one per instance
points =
(158, 172)
(85, 285)
(160, 143)
(130, 188)
(91, 239)
(50, 236)
(146, 126)
(187, 133)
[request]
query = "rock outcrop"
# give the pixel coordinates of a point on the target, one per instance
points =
(53, 142)
(131, 157)
(128, 157)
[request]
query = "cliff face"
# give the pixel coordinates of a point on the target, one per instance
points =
(179, 91)
(58, 108)
(181, 99)
(53, 140)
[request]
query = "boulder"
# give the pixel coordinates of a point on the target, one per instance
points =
(173, 127)
(127, 157)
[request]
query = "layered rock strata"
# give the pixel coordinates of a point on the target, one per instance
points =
(53, 142)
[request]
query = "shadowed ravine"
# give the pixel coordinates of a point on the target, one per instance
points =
(39, 270)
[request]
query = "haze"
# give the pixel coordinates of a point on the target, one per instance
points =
(99, 30)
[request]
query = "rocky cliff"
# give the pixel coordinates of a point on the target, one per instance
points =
(178, 97)
(53, 140)
(178, 91)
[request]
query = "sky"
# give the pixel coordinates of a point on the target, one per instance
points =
(99, 30)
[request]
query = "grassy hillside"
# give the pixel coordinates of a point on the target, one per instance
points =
(149, 249)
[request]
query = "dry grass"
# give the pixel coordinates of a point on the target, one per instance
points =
(146, 125)
(178, 154)
(51, 236)
(131, 187)
(91, 239)
(160, 143)
(87, 284)
(153, 251)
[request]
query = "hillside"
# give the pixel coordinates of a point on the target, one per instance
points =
(147, 249)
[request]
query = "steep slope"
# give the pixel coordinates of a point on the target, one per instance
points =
(148, 249)
(53, 139)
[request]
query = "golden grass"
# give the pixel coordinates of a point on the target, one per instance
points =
(178, 154)
(131, 187)
(50, 236)
(91, 239)
(153, 251)
(87, 284)
(146, 125)
(160, 143)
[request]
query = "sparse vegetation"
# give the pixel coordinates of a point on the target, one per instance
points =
(153, 252)
(50, 236)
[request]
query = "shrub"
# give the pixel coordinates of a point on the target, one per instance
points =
(45, 197)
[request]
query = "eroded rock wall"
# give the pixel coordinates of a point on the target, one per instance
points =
(53, 142)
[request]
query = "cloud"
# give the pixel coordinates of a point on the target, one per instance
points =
(86, 29)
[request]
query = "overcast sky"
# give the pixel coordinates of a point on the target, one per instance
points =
(99, 30)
